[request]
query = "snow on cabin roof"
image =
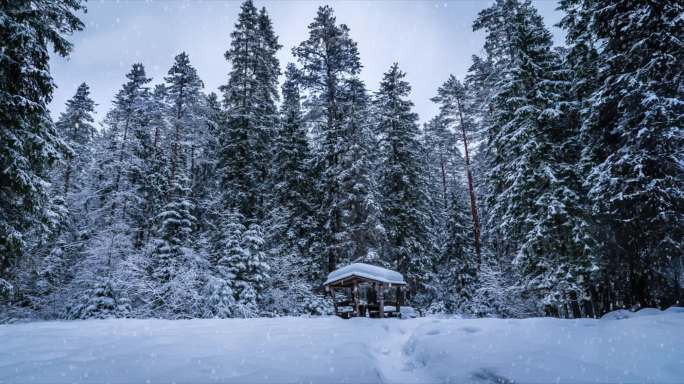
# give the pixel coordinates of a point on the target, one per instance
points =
(366, 271)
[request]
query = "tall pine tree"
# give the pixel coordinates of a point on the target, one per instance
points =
(402, 183)
(29, 144)
(249, 98)
(632, 138)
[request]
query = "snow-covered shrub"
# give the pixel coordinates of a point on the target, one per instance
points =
(100, 302)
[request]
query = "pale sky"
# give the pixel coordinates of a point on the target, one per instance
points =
(429, 40)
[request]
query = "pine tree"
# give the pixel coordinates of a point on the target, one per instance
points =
(172, 266)
(29, 144)
(69, 190)
(442, 166)
(402, 185)
(533, 201)
(204, 167)
(456, 107)
(184, 94)
(250, 270)
(329, 58)
(457, 267)
(249, 97)
(226, 247)
(359, 194)
(239, 263)
(100, 302)
(632, 139)
(130, 143)
(158, 180)
(292, 177)
(75, 127)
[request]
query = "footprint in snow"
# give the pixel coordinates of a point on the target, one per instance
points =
(487, 376)
(433, 332)
(470, 329)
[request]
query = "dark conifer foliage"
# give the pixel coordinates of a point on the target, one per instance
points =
(549, 183)
(405, 213)
(457, 111)
(29, 144)
(329, 61)
(251, 113)
(631, 131)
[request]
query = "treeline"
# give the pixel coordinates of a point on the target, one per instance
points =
(551, 181)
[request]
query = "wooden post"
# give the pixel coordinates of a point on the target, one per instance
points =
(355, 294)
(381, 300)
(396, 299)
(332, 293)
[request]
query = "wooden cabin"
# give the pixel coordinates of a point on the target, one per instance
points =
(364, 290)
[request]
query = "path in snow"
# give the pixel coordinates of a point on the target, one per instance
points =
(393, 364)
(646, 347)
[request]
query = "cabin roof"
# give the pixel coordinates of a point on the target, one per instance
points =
(365, 271)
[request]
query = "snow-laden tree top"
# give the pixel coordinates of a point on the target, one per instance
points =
(366, 271)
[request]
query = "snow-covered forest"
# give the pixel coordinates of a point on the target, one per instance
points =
(550, 183)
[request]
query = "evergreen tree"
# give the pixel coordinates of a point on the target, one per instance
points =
(632, 139)
(172, 267)
(293, 184)
(405, 214)
(442, 166)
(249, 97)
(29, 144)
(184, 94)
(250, 270)
(240, 267)
(456, 107)
(359, 194)
(69, 189)
(158, 164)
(100, 302)
(533, 202)
(127, 139)
(204, 166)
(328, 58)
(75, 127)
(457, 266)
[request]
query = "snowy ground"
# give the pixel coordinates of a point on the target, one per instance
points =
(648, 347)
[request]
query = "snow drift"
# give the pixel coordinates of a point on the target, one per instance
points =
(644, 348)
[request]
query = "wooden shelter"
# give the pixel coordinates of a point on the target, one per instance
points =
(367, 290)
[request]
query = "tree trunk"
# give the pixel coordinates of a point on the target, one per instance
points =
(381, 300)
(471, 190)
(67, 177)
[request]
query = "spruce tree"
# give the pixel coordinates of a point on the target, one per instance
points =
(70, 188)
(405, 213)
(456, 107)
(75, 127)
(171, 260)
(240, 267)
(292, 176)
(127, 139)
(360, 198)
(632, 139)
(226, 247)
(442, 166)
(29, 143)
(329, 58)
(533, 203)
(250, 270)
(184, 95)
(249, 98)
(457, 267)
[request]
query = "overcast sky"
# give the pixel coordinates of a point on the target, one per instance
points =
(429, 40)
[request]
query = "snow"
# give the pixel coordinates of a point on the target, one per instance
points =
(367, 271)
(332, 350)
